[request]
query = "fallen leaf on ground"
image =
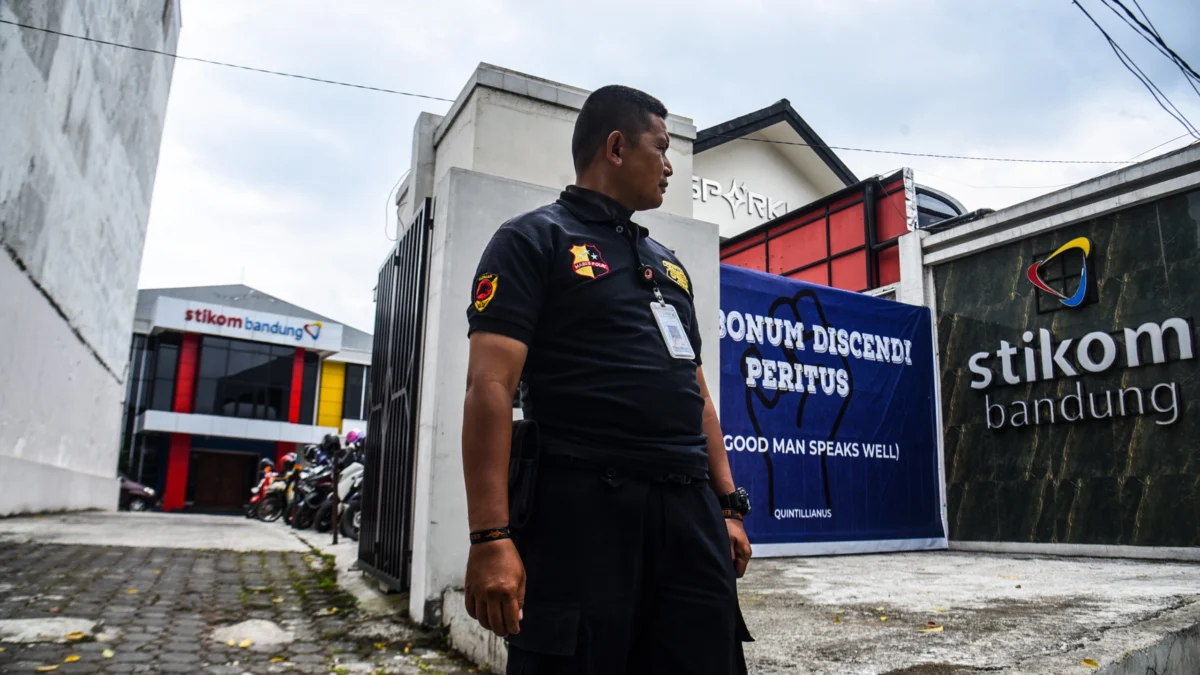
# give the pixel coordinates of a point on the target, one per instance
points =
(331, 610)
(245, 643)
(940, 609)
(277, 659)
(232, 643)
(71, 659)
(2, 649)
(931, 624)
(380, 645)
(108, 653)
(878, 609)
(839, 611)
(131, 591)
(1018, 585)
(883, 618)
(75, 636)
(837, 619)
(45, 669)
(1010, 576)
(277, 600)
(408, 648)
(931, 630)
(53, 610)
(1090, 663)
(158, 571)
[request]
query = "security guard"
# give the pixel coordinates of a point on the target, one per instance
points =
(624, 558)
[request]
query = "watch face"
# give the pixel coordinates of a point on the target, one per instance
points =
(742, 499)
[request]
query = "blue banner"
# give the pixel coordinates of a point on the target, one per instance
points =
(830, 416)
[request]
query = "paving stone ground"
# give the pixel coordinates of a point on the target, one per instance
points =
(159, 607)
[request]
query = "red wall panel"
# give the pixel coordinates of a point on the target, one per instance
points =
(850, 272)
(185, 378)
(797, 248)
(889, 217)
(846, 229)
(889, 266)
(752, 259)
(817, 274)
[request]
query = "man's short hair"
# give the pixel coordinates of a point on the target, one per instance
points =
(609, 109)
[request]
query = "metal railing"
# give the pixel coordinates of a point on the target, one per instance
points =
(385, 540)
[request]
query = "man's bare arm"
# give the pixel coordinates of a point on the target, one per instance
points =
(720, 477)
(719, 474)
(495, 580)
(493, 372)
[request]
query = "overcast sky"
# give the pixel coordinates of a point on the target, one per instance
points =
(282, 184)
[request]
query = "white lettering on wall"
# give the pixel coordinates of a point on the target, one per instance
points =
(741, 201)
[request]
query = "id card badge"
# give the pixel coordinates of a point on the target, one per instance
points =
(678, 344)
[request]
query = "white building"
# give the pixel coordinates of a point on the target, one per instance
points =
(81, 126)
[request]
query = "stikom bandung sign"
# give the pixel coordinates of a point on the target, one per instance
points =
(1040, 356)
(197, 317)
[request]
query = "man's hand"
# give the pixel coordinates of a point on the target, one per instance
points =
(739, 545)
(495, 586)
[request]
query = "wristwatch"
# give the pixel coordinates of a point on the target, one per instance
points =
(735, 504)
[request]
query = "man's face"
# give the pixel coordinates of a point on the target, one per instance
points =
(645, 167)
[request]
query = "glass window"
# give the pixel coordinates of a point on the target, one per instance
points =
(237, 378)
(308, 388)
(166, 362)
(352, 397)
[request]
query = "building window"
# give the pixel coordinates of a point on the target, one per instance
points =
(238, 378)
(165, 366)
(308, 388)
(354, 398)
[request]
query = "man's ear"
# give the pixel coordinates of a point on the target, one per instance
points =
(613, 147)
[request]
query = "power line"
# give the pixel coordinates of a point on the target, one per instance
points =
(439, 98)
(228, 65)
(921, 154)
(1159, 96)
(1150, 35)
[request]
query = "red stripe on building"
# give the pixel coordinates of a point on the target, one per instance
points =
(179, 455)
(297, 386)
(185, 380)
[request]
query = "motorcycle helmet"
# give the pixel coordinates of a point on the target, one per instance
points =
(312, 454)
(354, 436)
(266, 464)
(288, 463)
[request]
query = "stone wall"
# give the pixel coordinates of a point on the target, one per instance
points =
(82, 126)
(1131, 479)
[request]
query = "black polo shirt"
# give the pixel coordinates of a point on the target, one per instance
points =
(564, 279)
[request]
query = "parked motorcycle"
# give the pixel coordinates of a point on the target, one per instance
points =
(258, 496)
(135, 496)
(349, 480)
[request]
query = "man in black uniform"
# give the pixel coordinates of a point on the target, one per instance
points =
(628, 560)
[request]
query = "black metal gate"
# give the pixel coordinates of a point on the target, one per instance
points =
(385, 538)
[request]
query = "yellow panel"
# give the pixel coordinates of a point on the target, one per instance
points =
(329, 402)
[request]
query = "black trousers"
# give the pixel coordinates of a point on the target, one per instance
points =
(626, 576)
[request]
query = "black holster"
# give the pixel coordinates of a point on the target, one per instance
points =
(522, 472)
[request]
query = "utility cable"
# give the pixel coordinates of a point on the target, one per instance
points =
(1151, 36)
(439, 98)
(1132, 67)
(228, 65)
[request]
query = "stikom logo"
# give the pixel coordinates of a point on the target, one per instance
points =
(208, 316)
(1035, 276)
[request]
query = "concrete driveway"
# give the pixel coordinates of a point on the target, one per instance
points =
(152, 530)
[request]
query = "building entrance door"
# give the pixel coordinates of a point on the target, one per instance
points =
(221, 481)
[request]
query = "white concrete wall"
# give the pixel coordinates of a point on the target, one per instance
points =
(78, 153)
(470, 208)
(515, 126)
(60, 410)
(764, 170)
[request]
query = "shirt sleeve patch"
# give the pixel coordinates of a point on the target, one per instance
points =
(675, 272)
(485, 290)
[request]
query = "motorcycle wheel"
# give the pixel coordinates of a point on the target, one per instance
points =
(139, 504)
(270, 510)
(323, 521)
(303, 518)
(350, 521)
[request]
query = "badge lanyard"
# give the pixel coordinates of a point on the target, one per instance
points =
(669, 324)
